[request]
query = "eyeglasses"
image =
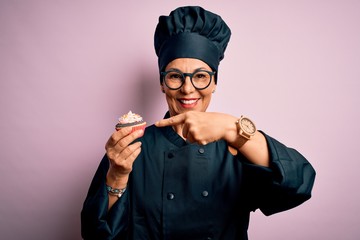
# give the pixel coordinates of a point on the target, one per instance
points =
(175, 79)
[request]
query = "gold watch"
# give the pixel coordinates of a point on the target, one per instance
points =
(247, 128)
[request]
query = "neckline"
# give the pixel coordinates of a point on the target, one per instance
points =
(171, 135)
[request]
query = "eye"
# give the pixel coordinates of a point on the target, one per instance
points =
(174, 76)
(201, 76)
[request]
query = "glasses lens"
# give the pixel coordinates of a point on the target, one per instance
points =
(173, 79)
(201, 79)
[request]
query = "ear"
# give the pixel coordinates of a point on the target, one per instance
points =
(162, 88)
(214, 89)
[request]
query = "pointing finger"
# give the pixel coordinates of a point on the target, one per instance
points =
(172, 121)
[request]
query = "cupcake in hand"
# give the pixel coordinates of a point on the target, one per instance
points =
(131, 119)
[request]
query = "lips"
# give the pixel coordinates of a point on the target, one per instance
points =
(188, 102)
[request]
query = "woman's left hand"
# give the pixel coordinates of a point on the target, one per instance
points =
(207, 127)
(202, 127)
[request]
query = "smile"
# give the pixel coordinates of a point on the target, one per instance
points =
(188, 103)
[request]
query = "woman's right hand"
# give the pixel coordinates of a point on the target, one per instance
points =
(122, 154)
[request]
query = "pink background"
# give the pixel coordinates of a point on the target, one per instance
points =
(68, 69)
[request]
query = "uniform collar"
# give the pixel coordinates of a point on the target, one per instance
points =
(171, 135)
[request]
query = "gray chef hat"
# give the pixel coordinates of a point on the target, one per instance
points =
(191, 32)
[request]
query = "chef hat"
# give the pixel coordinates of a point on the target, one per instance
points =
(191, 32)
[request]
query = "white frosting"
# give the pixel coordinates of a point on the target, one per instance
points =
(130, 117)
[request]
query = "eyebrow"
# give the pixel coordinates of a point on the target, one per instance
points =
(197, 69)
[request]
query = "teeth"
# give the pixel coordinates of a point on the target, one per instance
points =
(188, 101)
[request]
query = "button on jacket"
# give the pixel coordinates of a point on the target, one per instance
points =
(179, 190)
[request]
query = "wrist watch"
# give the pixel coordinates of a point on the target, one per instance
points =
(246, 127)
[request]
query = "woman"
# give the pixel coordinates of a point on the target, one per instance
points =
(194, 174)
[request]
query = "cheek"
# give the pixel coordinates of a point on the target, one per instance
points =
(206, 98)
(170, 98)
(207, 93)
(172, 104)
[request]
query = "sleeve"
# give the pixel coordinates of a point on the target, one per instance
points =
(96, 221)
(286, 184)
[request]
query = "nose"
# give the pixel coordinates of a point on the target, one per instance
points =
(187, 87)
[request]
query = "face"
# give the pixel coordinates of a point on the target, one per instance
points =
(188, 98)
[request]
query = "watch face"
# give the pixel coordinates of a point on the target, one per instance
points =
(248, 126)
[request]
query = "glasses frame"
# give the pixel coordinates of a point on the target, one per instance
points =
(184, 75)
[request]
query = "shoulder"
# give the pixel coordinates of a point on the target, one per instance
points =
(151, 133)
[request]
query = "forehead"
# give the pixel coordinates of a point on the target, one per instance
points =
(187, 64)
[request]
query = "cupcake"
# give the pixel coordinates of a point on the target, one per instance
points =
(131, 119)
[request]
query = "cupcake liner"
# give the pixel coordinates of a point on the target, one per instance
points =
(141, 126)
(136, 127)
